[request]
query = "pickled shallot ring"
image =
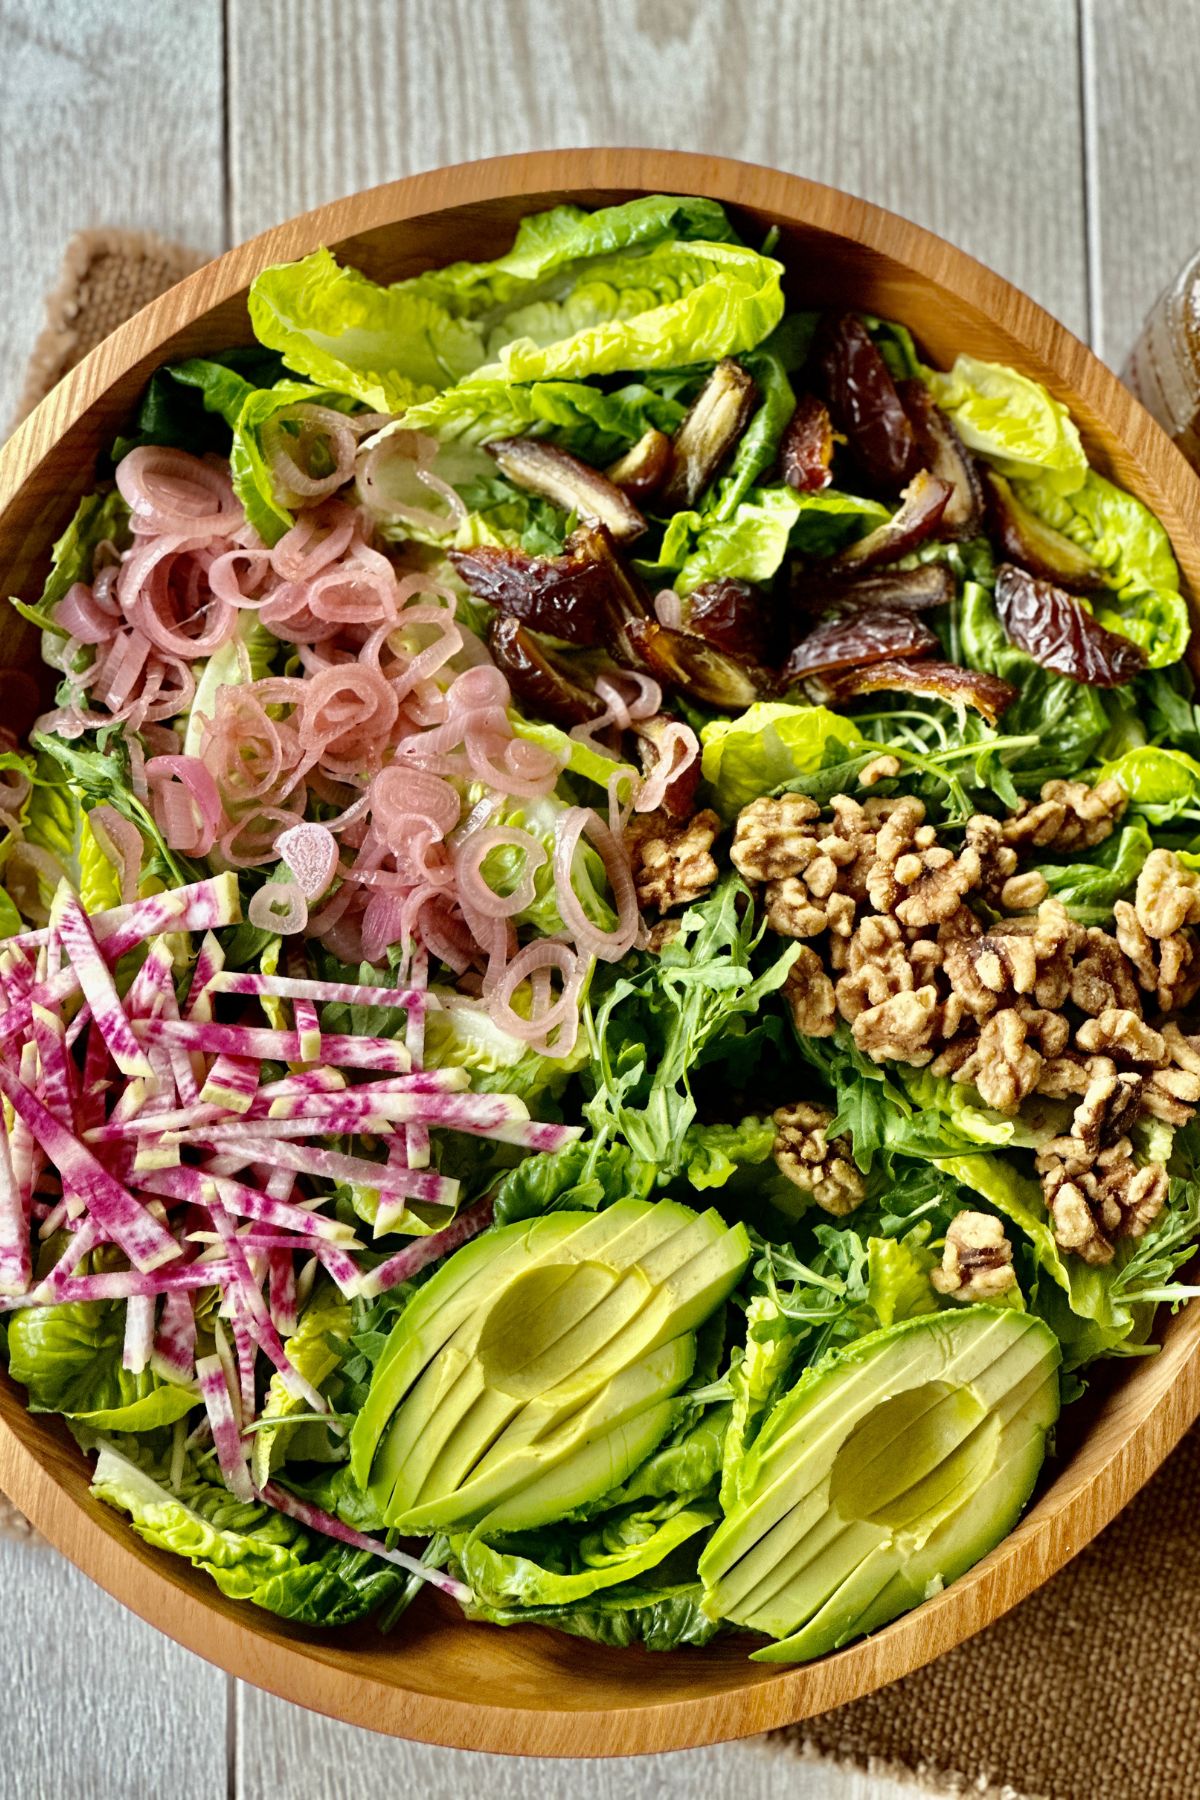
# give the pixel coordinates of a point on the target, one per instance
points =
(310, 852)
(278, 906)
(590, 939)
(473, 886)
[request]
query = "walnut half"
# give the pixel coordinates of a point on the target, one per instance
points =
(977, 1262)
(823, 1166)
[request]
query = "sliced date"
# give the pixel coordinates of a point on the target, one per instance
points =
(693, 667)
(733, 616)
(718, 417)
(574, 485)
(931, 679)
(1051, 626)
(919, 515)
(1023, 537)
(863, 401)
(569, 596)
(643, 469)
(910, 590)
(806, 448)
(847, 639)
(539, 677)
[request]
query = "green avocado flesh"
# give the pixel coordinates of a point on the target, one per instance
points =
(539, 1366)
(889, 1469)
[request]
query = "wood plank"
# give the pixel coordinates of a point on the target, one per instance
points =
(97, 1702)
(1142, 74)
(109, 115)
(900, 104)
(284, 1753)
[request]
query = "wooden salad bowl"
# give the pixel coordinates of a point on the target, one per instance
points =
(531, 1690)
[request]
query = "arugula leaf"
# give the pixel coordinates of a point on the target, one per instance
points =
(99, 770)
(648, 1031)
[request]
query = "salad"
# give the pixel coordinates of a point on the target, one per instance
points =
(597, 948)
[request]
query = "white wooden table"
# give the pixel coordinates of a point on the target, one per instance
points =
(1053, 138)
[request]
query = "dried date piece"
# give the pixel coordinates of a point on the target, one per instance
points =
(935, 680)
(1045, 552)
(1055, 630)
(947, 457)
(733, 616)
(643, 469)
(863, 401)
(569, 596)
(806, 448)
(922, 504)
(575, 486)
(687, 663)
(718, 417)
(850, 638)
(906, 590)
(536, 675)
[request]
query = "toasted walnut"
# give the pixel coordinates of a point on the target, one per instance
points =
(977, 1262)
(1168, 968)
(983, 971)
(1021, 893)
(997, 860)
(904, 1028)
(1056, 941)
(880, 768)
(1004, 1066)
(775, 838)
(1173, 1092)
(1069, 816)
(1050, 1031)
(808, 992)
(672, 863)
(1067, 1074)
(823, 1166)
(877, 964)
(1091, 1207)
(792, 910)
(1123, 1034)
(1167, 896)
(916, 878)
(1102, 977)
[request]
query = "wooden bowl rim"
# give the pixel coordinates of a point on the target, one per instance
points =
(1156, 1401)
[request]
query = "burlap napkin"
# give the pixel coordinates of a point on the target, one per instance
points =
(1087, 1690)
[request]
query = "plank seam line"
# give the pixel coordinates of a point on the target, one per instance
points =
(1093, 294)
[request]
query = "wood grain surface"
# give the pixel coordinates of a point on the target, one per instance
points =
(990, 121)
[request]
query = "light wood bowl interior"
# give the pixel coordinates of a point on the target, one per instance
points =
(533, 1691)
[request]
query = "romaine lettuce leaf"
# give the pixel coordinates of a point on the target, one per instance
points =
(1135, 557)
(766, 746)
(577, 758)
(585, 420)
(97, 517)
(57, 821)
(68, 1358)
(251, 1551)
(578, 1563)
(246, 657)
(1163, 783)
(1020, 428)
(461, 1035)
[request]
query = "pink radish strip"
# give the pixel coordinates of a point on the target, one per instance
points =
(341, 1268)
(83, 954)
(282, 1290)
(306, 1159)
(120, 1284)
(305, 1513)
(308, 1029)
(209, 963)
(16, 1264)
(139, 1333)
(27, 1159)
(82, 1242)
(246, 1351)
(57, 1085)
(153, 981)
(308, 1081)
(197, 1185)
(280, 1183)
(347, 993)
(94, 1084)
(201, 906)
(121, 1217)
(408, 1262)
(173, 1357)
(231, 1084)
(226, 1436)
(261, 1044)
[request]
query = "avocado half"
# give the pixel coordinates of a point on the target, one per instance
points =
(539, 1366)
(889, 1469)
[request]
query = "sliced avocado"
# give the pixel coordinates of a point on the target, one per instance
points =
(548, 1363)
(888, 1470)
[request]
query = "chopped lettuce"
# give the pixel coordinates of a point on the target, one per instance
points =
(764, 747)
(68, 1358)
(1011, 421)
(504, 867)
(315, 1349)
(1163, 784)
(748, 539)
(583, 419)
(249, 1550)
(460, 1034)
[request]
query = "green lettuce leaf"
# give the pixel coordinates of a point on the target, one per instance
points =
(68, 1358)
(97, 517)
(765, 747)
(578, 1563)
(1088, 889)
(758, 1376)
(748, 539)
(657, 1615)
(57, 821)
(581, 1176)
(1011, 421)
(246, 657)
(96, 767)
(385, 346)
(585, 420)
(316, 1349)
(1134, 554)
(459, 1035)
(1162, 783)
(576, 758)
(504, 867)
(251, 1551)
(10, 919)
(196, 410)
(713, 1154)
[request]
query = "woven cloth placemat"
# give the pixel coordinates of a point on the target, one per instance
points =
(1087, 1691)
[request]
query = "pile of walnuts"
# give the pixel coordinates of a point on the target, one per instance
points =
(955, 959)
